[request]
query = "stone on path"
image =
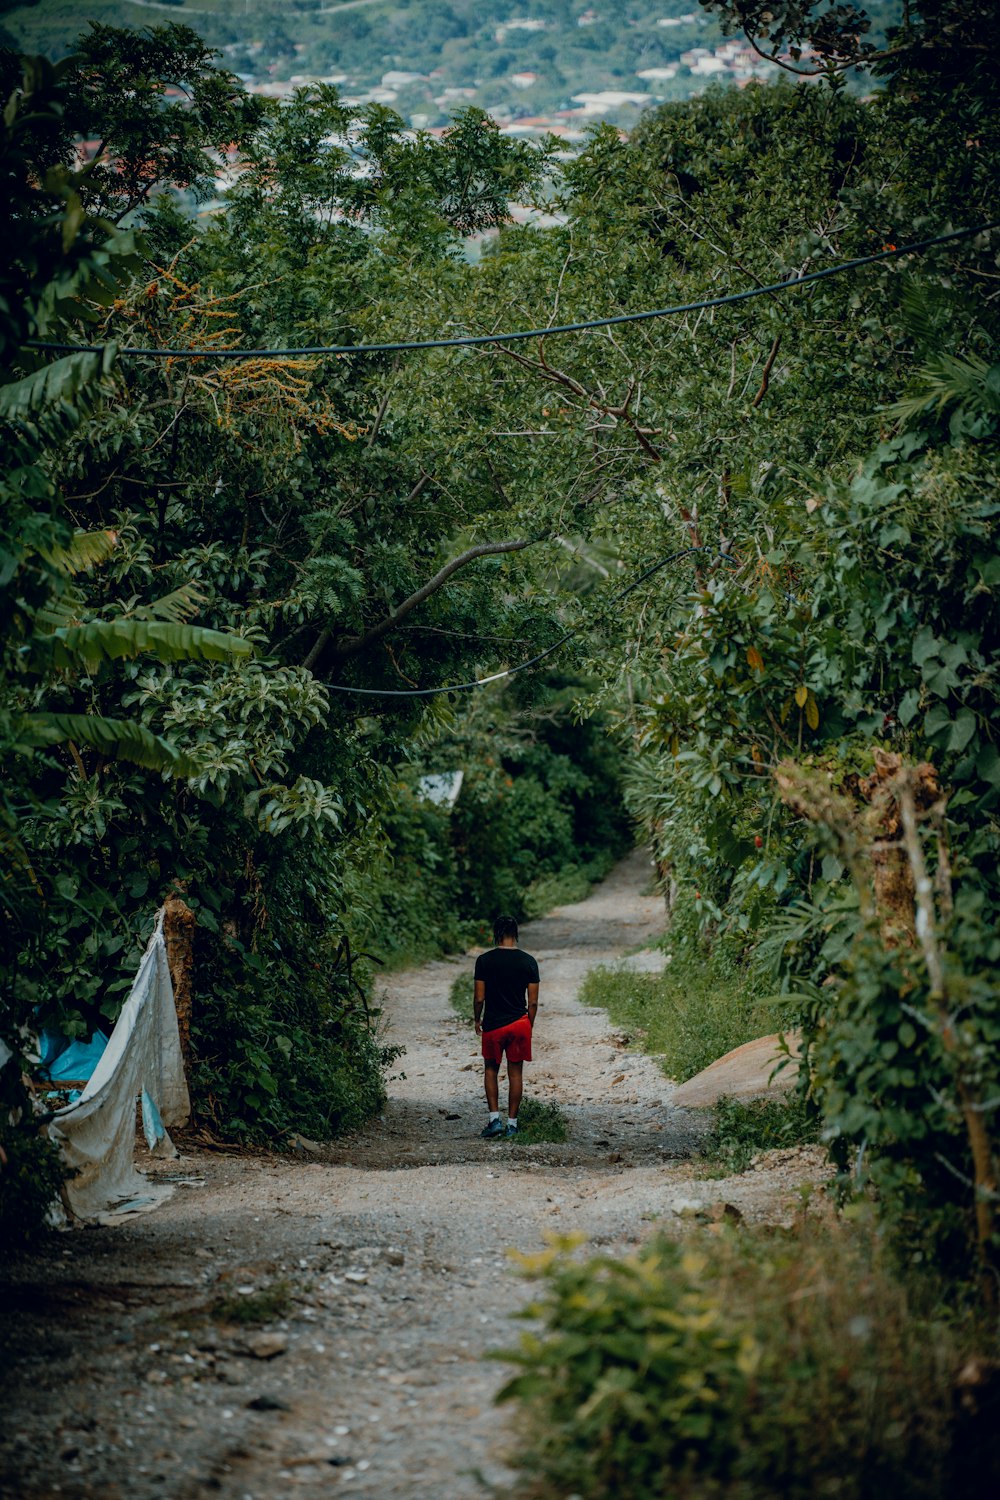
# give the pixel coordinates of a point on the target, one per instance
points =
(266, 1345)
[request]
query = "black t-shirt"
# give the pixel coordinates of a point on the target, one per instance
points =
(506, 972)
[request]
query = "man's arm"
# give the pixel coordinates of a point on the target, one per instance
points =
(532, 1003)
(478, 1001)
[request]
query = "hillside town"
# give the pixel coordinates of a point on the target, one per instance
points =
(428, 100)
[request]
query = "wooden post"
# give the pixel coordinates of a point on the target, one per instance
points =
(179, 923)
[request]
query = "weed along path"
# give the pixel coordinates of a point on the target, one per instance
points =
(315, 1325)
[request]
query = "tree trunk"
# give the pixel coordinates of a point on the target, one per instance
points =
(179, 924)
(892, 872)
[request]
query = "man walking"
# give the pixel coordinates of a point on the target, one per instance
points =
(505, 1000)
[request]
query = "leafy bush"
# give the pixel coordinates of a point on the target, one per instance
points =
(266, 1083)
(284, 1040)
(415, 908)
(31, 1174)
(896, 1091)
(538, 1121)
(740, 1129)
(265, 1306)
(744, 1367)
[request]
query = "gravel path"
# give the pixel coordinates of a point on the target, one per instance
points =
(118, 1381)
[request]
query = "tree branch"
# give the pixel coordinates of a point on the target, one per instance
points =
(765, 379)
(382, 408)
(360, 643)
(859, 59)
(964, 1069)
(620, 413)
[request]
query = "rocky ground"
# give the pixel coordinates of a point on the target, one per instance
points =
(376, 1268)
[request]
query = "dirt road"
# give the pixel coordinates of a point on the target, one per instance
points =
(119, 1381)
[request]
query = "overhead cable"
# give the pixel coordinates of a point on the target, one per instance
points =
(473, 340)
(521, 666)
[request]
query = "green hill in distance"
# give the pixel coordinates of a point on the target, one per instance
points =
(534, 64)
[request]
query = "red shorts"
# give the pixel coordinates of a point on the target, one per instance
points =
(514, 1039)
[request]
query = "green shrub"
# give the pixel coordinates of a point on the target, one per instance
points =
(537, 822)
(744, 1366)
(274, 1076)
(460, 994)
(740, 1129)
(411, 898)
(538, 1121)
(285, 1043)
(265, 1306)
(31, 1173)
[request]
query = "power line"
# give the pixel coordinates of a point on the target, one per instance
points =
(522, 666)
(466, 341)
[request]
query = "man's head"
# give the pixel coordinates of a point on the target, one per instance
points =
(504, 931)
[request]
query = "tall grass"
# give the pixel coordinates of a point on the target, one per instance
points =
(695, 1011)
(743, 1128)
(567, 886)
(460, 995)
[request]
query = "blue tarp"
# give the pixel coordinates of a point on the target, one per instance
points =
(60, 1059)
(153, 1127)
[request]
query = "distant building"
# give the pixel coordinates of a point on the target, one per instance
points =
(658, 75)
(397, 80)
(605, 99)
(523, 80)
(519, 23)
(302, 80)
(270, 88)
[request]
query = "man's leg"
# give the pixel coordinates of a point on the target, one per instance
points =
(492, 1086)
(515, 1088)
(490, 1080)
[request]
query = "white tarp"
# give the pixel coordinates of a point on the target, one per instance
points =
(442, 788)
(97, 1133)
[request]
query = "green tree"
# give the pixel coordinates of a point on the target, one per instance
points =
(320, 511)
(54, 644)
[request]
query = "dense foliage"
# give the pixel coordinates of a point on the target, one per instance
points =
(55, 640)
(762, 1363)
(533, 824)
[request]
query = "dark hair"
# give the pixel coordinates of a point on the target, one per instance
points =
(504, 927)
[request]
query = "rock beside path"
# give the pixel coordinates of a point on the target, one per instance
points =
(748, 1072)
